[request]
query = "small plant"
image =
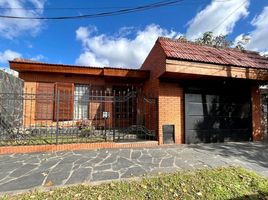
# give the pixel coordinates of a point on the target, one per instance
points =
(85, 132)
(83, 124)
(87, 129)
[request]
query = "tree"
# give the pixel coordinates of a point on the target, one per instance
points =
(218, 41)
(242, 42)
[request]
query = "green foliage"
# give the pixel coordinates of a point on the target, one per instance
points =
(220, 183)
(242, 42)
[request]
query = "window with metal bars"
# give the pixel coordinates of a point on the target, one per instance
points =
(81, 101)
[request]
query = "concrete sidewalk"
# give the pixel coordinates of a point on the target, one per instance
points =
(28, 171)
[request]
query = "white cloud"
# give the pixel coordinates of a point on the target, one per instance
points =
(89, 58)
(38, 57)
(82, 33)
(219, 15)
(259, 41)
(8, 55)
(118, 50)
(11, 28)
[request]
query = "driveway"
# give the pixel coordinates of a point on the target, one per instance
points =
(28, 171)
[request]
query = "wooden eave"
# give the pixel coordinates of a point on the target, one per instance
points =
(69, 69)
(181, 69)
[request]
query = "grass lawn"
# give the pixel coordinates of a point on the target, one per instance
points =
(220, 183)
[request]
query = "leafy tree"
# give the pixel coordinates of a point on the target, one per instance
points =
(242, 42)
(218, 41)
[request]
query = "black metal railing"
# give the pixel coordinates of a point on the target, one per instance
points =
(76, 115)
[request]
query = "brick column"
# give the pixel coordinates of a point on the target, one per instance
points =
(257, 132)
(171, 110)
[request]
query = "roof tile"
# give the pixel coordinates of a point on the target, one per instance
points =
(185, 50)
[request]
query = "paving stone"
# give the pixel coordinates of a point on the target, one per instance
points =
(3, 175)
(88, 164)
(101, 176)
(6, 157)
(135, 154)
(146, 159)
(94, 161)
(33, 160)
(149, 166)
(182, 164)
(164, 170)
(133, 171)
(263, 173)
(125, 153)
(114, 151)
(199, 165)
(8, 167)
(60, 173)
(86, 153)
(110, 159)
(63, 153)
(122, 163)
(47, 156)
(81, 161)
(70, 167)
(46, 165)
(144, 152)
(102, 167)
(213, 162)
(22, 170)
(21, 157)
(103, 153)
(71, 159)
(26, 182)
(167, 162)
(157, 161)
(79, 176)
(174, 152)
(156, 153)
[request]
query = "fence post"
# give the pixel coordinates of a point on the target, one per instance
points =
(57, 116)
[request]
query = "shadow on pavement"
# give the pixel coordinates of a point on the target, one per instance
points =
(251, 152)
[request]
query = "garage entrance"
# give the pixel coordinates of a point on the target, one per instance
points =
(217, 112)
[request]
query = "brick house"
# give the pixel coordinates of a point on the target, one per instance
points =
(202, 93)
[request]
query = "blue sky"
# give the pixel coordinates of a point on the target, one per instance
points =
(122, 40)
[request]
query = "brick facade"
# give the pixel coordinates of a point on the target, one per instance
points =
(70, 147)
(171, 95)
(257, 131)
(162, 84)
(155, 62)
(171, 110)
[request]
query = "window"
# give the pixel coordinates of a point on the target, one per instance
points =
(81, 101)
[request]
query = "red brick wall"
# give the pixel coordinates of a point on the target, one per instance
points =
(171, 110)
(257, 131)
(170, 95)
(156, 63)
(69, 147)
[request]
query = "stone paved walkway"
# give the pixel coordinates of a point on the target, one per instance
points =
(28, 171)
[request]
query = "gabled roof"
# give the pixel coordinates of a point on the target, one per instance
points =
(190, 51)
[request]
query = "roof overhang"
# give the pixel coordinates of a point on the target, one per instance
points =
(122, 73)
(191, 70)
